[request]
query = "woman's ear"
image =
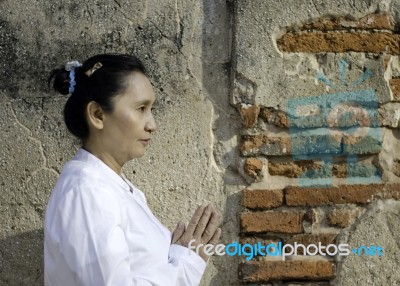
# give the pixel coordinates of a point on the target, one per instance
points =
(95, 115)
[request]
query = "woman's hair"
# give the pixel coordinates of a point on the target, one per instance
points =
(98, 79)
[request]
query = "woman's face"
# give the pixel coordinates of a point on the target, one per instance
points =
(127, 130)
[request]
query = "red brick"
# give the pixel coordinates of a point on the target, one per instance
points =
(274, 117)
(253, 167)
(341, 217)
(306, 239)
(271, 145)
(297, 168)
(301, 143)
(255, 240)
(355, 194)
(324, 24)
(258, 199)
(339, 170)
(364, 144)
(249, 114)
(373, 21)
(340, 42)
(264, 271)
(395, 87)
(292, 169)
(382, 21)
(272, 221)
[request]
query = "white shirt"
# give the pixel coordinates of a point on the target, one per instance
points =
(97, 232)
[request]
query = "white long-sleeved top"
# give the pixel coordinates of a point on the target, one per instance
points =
(99, 230)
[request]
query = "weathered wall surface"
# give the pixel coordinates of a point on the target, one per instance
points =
(284, 114)
(316, 84)
(177, 41)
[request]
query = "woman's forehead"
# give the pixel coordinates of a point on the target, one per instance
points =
(140, 89)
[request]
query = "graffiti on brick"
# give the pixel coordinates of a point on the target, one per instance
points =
(342, 124)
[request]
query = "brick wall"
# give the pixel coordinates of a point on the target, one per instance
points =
(331, 175)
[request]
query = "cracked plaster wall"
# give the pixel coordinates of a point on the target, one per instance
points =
(185, 45)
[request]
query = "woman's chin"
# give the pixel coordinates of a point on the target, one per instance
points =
(137, 155)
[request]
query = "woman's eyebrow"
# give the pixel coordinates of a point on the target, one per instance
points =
(145, 102)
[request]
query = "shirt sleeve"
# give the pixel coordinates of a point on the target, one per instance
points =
(93, 244)
(183, 269)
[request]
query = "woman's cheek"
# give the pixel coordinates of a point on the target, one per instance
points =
(125, 122)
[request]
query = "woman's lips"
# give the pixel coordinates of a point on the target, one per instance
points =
(145, 141)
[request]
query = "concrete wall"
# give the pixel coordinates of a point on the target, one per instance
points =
(284, 114)
(186, 47)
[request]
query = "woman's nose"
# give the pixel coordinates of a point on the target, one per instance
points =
(151, 125)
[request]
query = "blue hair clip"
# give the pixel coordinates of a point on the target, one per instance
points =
(71, 66)
(72, 81)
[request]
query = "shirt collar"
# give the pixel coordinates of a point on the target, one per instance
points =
(87, 157)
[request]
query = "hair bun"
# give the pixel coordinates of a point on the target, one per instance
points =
(64, 78)
(61, 80)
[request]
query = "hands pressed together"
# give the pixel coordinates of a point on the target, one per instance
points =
(203, 228)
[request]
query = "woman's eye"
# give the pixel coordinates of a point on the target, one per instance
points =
(142, 108)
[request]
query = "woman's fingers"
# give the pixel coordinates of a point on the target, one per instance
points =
(178, 232)
(215, 238)
(202, 224)
(212, 226)
(203, 227)
(195, 220)
(213, 241)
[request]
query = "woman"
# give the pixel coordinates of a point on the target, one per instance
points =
(98, 228)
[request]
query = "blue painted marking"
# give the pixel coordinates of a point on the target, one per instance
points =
(322, 78)
(366, 75)
(328, 147)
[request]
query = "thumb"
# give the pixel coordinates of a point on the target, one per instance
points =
(177, 233)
